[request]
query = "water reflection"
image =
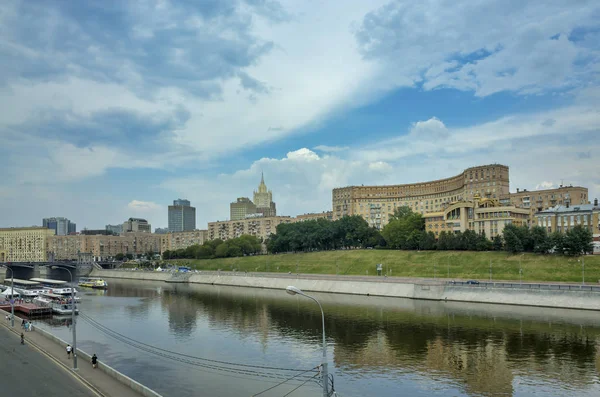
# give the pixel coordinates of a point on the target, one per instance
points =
(378, 346)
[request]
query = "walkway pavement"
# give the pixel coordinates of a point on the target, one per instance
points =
(41, 368)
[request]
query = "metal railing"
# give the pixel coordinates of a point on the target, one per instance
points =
(528, 286)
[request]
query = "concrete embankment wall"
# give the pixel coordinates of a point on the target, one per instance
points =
(567, 299)
(127, 381)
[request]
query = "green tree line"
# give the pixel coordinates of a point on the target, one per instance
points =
(240, 246)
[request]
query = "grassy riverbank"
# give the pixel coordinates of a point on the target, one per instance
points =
(459, 264)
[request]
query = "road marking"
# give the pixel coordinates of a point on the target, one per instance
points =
(74, 374)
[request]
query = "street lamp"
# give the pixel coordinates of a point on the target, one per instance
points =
(521, 269)
(72, 316)
(12, 297)
(293, 291)
(582, 270)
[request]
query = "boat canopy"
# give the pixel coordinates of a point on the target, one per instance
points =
(18, 281)
(8, 292)
(48, 281)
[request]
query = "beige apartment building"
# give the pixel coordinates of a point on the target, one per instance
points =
(539, 200)
(24, 244)
(182, 240)
(328, 215)
(376, 203)
(259, 227)
(480, 215)
(103, 247)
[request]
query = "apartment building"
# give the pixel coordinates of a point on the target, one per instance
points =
(182, 240)
(136, 225)
(328, 215)
(24, 244)
(486, 215)
(376, 203)
(102, 246)
(261, 227)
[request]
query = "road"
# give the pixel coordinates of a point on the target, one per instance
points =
(25, 372)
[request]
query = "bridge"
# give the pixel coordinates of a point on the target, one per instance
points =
(53, 270)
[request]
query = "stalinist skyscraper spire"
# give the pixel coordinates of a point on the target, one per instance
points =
(263, 199)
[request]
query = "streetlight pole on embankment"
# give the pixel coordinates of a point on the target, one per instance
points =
(12, 296)
(72, 317)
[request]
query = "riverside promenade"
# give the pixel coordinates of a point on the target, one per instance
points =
(41, 368)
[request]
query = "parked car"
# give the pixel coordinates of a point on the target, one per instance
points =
(473, 282)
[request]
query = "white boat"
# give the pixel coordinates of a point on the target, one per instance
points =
(27, 289)
(57, 287)
(58, 303)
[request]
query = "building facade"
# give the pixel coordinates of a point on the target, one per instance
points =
(182, 240)
(61, 226)
(114, 229)
(103, 247)
(182, 216)
(263, 199)
(376, 203)
(241, 208)
(486, 215)
(539, 200)
(261, 227)
(136, 225)
(161, 230)
(25, 244)
(328, 215)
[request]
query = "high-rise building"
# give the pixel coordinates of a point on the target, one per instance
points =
(241, 209)
(136, 225)
(24, 244)
(182, 216)
(61, 226)
(114, 229)
(263, 199)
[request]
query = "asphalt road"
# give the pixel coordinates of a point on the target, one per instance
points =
(25, 372)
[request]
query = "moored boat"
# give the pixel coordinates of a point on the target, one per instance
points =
(58, 303)
(93, 282)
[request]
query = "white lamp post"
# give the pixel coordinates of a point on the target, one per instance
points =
(72, 317)
(293, 291)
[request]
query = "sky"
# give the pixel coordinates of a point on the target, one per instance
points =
(112, 109)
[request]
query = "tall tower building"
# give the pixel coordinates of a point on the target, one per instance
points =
(182, 216)
(263, 199)
(61, 226)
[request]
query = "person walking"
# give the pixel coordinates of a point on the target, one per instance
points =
(22, 338)
(94, 361)
(69, 350)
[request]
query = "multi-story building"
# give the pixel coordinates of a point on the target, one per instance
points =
(261, 227)
(539, 200)
(328, 215)
(103, 246)
(561, 218)
(24, 244)
(241, 209)
(486, 215)
(182, 216)
(136, 225)
(61, 226)
(376, 203)
(263, 199)
(114, 229)
(182, 240)
(161, 230)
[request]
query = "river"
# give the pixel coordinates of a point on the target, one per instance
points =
(376, 346)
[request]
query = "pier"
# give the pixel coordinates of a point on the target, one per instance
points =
(29, 309)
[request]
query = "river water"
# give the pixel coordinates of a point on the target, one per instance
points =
(376, 346)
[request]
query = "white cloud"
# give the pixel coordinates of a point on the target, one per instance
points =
(545, 185)
(142, 206)
(330, 149)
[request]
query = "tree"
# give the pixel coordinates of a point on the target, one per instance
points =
(540, 240)
(403, 230)
(512, 242)
(578, 240)
(557, 242)
(498, 243)
(428, 241)
(120, 256)
(129, 256)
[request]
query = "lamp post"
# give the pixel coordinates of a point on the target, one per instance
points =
(293, 291)
(72, 317)
(582, 270)
(12, 297)
(521, 270)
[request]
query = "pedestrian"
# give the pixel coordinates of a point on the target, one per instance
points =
(69, 350)
(94, 361)
(23, 323)
(22, 339)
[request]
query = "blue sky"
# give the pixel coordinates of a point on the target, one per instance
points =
(112, 109)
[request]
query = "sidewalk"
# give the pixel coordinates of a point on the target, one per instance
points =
(100, 382)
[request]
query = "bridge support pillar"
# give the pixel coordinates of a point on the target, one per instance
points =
(36, 271)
